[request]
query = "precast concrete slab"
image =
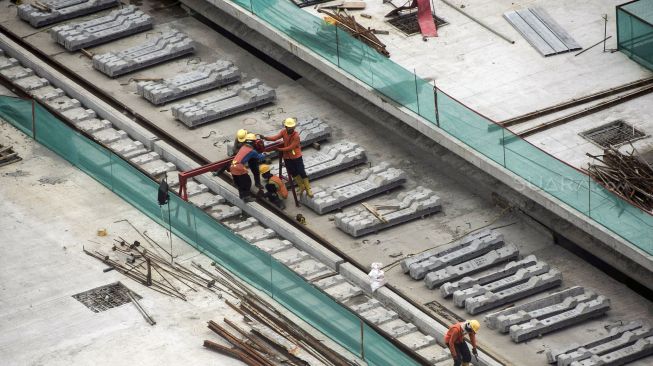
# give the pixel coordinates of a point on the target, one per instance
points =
(291, 256)
(476, 248)
(379, 315)
(109, 135)
(16, 72)
(60, 10)
(128, 148)
(7, 62)
(369, 182)
(329, 282)
(438, 252)
(206, 200)
(492, 300)
(272, 246)
(79, 114)
(614, 332)
(487, 260)
(330, 159)
(449, 288)
(93, 125)
(581, 312)
(311, 269)
(117, 24)
(169, 45)
(366, 306)
(310, 129)
(626, 338)
(343, 291)
(497, 319)
(31, 82)
(145, 158)
(193, 188)
(522, 275)
(240, 225)
(410, 205)
(223, 212)
(204, 77)
(256, 233)
(239, 98)
(158, 167)
(398, 328)
(640, 349)
(46, 93)
(417, 340)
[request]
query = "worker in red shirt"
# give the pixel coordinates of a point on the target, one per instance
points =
(292, 155)
(238, 169)
(455, 340)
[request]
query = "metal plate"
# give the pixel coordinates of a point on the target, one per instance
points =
(613, 134)
(541, 31)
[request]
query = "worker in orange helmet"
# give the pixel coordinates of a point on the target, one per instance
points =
(238, 169)
(292, 154)
(455, 340)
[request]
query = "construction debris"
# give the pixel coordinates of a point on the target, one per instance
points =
(351, 26)
(8, 155)
(625, 174)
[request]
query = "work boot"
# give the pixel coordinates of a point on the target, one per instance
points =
(466, 364)
(300, 184)
(307, 187)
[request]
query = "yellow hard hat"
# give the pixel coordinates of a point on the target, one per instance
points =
(241, 135)
(472, 324)
(264, 168)
(290, 122)
(250, 137)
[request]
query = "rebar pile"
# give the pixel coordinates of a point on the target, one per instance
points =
(348, 23)
(624, 174)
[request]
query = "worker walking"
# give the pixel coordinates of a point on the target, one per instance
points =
(455, 340)
(239, 171)
(292, 155)
(275, 189)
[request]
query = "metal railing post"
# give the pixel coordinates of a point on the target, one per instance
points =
(437, 110)
(416, 90)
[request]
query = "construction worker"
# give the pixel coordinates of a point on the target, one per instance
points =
(275, 189)
(253, 164)
(292, 155)
(239, 171)
(455, 340)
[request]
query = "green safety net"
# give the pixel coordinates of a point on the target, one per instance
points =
(635, 31)
(197, 228)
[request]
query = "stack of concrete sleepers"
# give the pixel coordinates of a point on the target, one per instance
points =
(622, 344)
(369, 182)
(204, 77)
(310, 129)
(549, 313)
(169, 45)
(415, 203)
(331, 159)
(241, 97)
(60, 10)
(117, 24)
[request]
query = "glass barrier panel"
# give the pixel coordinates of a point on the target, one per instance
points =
(18, 112)
(181, 214)
(380, 352)
(426, 100)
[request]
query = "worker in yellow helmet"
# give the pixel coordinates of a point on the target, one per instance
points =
(239, 171)
(455, 340)
(253, 163)
(292, 154)
(275, 188)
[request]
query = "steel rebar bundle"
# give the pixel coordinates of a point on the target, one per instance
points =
(349, 24)
(625, 174)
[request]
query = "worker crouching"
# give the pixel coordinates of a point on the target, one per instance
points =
(238, 169)
(275, 189)
(292, 155)
(455, 340)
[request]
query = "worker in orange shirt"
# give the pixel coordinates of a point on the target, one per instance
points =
(238, 169)
(292, 155)
(275, 188)
(455, 340)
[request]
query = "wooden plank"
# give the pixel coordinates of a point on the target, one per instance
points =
(528, 33)
(549, 37)
(548, 21)
(374, 212)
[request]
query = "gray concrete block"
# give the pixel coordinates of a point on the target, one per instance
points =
(204, 77)
(117, 24)
(535, 284)
(509, 269)
(46, 93)
(398, 328)
(311, 269)
(146, 158)
(310, 129)
(63, 103)
(368, 183)
(438, 252)
(494, 320)
(79, 114)
(581, 312)
(409, 205)
(173, 179)
(193, 188)
(520, 276)
(16, 72)
(343, 291)
(366, 306)
(614, 332)
(640, 349)
(623, 340)
(437, 355)
(331, 159)
(256, 233)
(476, 248)
(222, 212)
(206, 199)
(272, 246)
(93, 125)
(60, 10)
(242, 224)
(379, 315)
(291, 256)
(169, 45)
(239, 98)
(127, 148)
(109, 135)
(158, 167)
(31, 83)
(417, 341)
(8, 62)
(489, 259)
(329, 282)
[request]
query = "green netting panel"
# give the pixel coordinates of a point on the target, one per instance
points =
(182, 216)
(426, 100)
(94, 160)
(245, 260)
(547, 173)
(299, 25)
(18, 112)
(316, 308)
(247, 4)
(380, 352)
(642, 8)
(55, 134)
(470, 127)
(635, 37)
(625, 220)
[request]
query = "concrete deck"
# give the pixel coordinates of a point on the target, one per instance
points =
(466, 207)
